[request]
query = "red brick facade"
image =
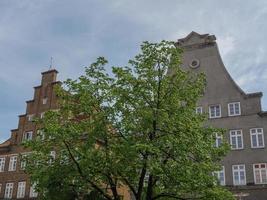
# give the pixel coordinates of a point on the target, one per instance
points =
(44, 99)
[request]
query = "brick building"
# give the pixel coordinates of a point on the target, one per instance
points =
(244, 169)
(14, 183)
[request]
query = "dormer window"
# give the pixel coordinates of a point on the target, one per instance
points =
(234, 109)
(215, 111)
(45, 100)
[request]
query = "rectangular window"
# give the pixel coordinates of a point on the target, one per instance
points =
(9, 191)
(256, 137)
(219, 139)
(42, 115)
(30, 117)
(260, 173)
(27, 136)
(21, 189)
(234, 109)
(45, 100)
(2, 164)
(23, 161)
(33, 192)
(220, 175)
(236, 139)
(40, 134)
(52, 156)
(239, 174)
(215, 111)
(199, 110)
(12, 163)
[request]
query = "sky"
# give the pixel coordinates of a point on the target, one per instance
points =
(76, 32)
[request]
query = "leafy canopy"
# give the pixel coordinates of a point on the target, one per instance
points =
(133, 132)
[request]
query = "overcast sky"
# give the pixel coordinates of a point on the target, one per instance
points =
(75, 32)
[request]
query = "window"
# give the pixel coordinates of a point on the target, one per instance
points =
(215, 111)
(23, 161)
(30, 117)
(236, 139)
(42, 115)
(12, 163)
(199, 110)
(260, 173)
(234, 109)
(239, 175)
(40, 134)
(8, 191)
(220, 175)
(21, 189)
(27, 136)
(52, 156)
(33, 192)
(218, 140)
(2, 164)
(45, 100)
(256, 137)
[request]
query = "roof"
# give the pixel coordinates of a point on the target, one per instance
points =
(195, 38)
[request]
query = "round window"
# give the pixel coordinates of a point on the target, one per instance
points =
(194, 63)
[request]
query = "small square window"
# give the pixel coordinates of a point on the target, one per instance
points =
(30, 117)
(234, 109)
(45, 100)
(27, 136)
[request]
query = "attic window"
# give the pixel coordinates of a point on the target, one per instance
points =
(194, 63)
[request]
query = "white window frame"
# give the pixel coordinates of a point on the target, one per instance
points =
(261, 170)
(217, 137)
(23, 162)
(9, 191)
(52, 156)
(27, 136)
(218, 174)
(255, 132)
(199, 110)
(234, 104)
(2, 164)
(236, 136)
(44, 101)
(30, 117)
(239, 174)
(42, 114)
(21, 189)
(215, 116)
(13, 163)
(33, 192)
(40, 134)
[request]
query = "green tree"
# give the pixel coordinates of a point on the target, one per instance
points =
(135, 128)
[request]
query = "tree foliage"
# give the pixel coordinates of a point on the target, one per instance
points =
(135, 129)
